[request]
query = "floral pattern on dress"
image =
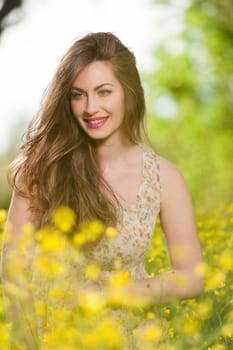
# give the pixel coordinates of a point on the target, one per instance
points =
(137, 224)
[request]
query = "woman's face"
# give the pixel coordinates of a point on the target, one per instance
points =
(97, 101)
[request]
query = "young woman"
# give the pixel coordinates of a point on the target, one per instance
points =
(86, 149)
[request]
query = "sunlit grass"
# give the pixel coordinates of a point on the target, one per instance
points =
(79, 318)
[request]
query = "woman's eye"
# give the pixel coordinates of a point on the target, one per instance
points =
(76, 95)
(104, 92)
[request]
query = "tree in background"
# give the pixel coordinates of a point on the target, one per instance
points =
(190, 99)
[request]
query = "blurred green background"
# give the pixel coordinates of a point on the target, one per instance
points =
(189, 102)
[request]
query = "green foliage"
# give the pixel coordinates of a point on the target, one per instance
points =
(190, 100)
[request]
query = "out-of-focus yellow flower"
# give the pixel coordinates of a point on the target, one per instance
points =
(191, 326)
(117, 279)
(48, 267)
(56, 293)
(150, 315)
(171, 332)
(217, 347)
(16, 291)
(53, 242)
(111, 232)
(79, 239)
(64, 218)
(219, 292)
(151, 332)
(230, 208)
(5, 335)
(203, 309)
(215, 280)
(157, 240)
(3, 215)
(92, 301)
(230, 316)
(226, 260)
(96, 227)
(227, 330)
(40, 309)
(201, 269)
(108, 334)
(118, 296)
(166, 311)
(92, 271)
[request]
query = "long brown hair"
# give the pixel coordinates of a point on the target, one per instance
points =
(57, 163)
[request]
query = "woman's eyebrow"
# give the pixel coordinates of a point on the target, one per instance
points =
(96, 88)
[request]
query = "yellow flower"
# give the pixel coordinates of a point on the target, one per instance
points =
(92, 271)
(79, 239)
(64, 218)
(226, 260)
(111, 232)
(171, 332)
(3, 215)
(151, 332)
(107, 334)
(227, 330)
(216, 279)
(191, 326)
(5, 335)
(166, 311)
(204, 309)
(201, 269)
(230, 316)
(92, 301)
(217, 347)
(53, 242)
(40, 309)
(119, 278)
(96, 227)
(48, 266)
(150, 315)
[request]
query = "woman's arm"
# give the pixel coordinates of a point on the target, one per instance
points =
(184, 250)
(15, 266)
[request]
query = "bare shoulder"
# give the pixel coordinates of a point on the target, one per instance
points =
(172, 180)
(168, 171)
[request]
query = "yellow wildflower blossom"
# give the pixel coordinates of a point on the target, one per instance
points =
(111, 232)
(226, 260)
(64, 218)
(203, 309)
(96, 227)
(3, 215)
(92, 271)
(216, 279)
(227, 330)
(92, 301)
(217, 347)
(191, 326)
(79, 239)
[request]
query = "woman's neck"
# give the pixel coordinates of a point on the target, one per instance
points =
(112, 152)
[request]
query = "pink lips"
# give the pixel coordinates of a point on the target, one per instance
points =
(95, 122)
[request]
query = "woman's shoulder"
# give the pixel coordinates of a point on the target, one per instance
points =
(168, 168)
(171, 178)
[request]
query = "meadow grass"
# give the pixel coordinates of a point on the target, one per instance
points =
(204, 323)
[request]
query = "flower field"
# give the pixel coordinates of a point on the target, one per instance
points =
(202, 323)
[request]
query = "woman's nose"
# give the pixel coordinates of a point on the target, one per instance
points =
(91, 105)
